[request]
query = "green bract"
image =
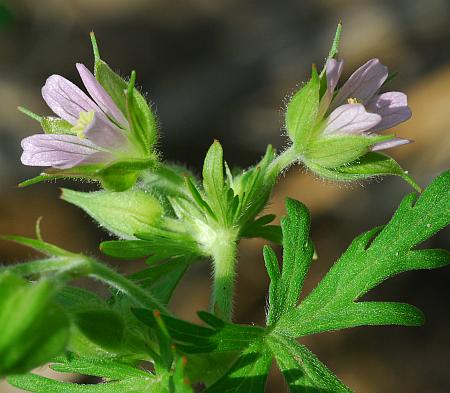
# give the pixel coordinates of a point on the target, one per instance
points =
(142, 211)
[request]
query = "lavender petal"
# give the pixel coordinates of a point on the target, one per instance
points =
(363, 83)
(105, 134)
(101, 97)
(350, 119)
(333, 72)
(66, 99)
(60, 151)
(392, 107)
(394, 142)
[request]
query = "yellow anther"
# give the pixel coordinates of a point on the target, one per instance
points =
(84, 120)
(353, 101)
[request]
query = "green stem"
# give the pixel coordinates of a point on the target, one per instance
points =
(78, 266)
(121, 283)
(224, 258)
(282, 162)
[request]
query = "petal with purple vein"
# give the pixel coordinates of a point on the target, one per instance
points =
(66, 99)
(363, 83)
(101, 97)
(392, 107)
(394, 142)
(105, 134)
(333, 72)
(60, 151)
(350, 119)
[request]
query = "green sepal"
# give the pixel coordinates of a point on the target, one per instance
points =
(122, 213)
(122, 175)
(33, 327)
(142, 121)
(55, 125)
(132, 104)
(370, 165)
(339, 150)
(301, 113)
(334, 50)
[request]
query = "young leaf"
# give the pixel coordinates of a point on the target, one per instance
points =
(213, 179)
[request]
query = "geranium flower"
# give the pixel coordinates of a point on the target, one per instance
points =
(357, 108)
(99, 133)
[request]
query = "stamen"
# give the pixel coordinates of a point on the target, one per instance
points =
(353, 101)
(84, 120)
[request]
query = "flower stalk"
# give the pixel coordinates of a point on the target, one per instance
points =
(224, 259)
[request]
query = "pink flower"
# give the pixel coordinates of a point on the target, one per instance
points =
(100, 127)
(357, 108)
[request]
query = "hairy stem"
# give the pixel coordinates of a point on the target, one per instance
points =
(123, 284)
(224, 258)
(282, 162)
(79, 265)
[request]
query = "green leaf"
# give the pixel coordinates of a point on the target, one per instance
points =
(96, 367)
(302, 112)
(103, 327)
(161, 279)
(301, 368)
(122, 213)
(37, 384)
(372, 258)
(285, 287)
(33, 328)
(38, 245)
(248, 374)
(220, 336)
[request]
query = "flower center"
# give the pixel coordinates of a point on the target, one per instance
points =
(84, 120)
(353, 101)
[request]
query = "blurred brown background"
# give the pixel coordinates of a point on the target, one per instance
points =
(221, 69)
